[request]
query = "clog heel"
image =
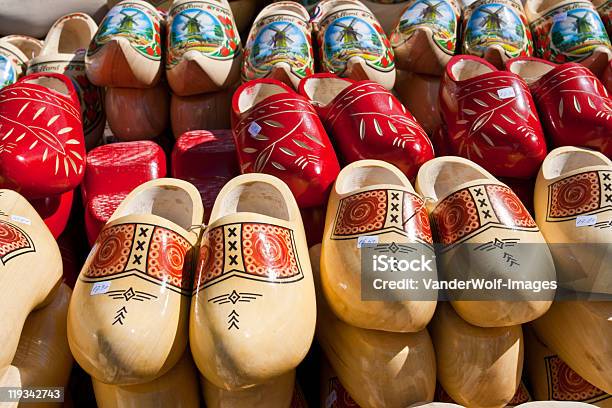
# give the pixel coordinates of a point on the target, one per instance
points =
(126, 50)
(25, 242)
(374, 199)
(128, 316)
(279, 44)
(253, 280)
(204, 52)
(485, 232)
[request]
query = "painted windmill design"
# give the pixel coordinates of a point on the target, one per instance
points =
(494, 21)
(128, 22)
(280, 39)
(430, 13)
(582, 24)
(348, 33)
(194, 27)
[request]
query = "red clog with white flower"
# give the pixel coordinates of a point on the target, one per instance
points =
(491, 118)
(367, 122)
(278, 132)
(575, 107)
(42, 149)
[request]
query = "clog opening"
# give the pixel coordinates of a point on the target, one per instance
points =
(169, 202)
(365, 176)
(530, 70)
(75, 35)
(539, 6)
(50, 83)
(567, 161)
(256, 197)
(321, 91)
(467, 68)
(444, 176)
(252, 95)
(290, 6)
(29, 46)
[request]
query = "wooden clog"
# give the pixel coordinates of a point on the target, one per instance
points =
(604, 8)
(278, 132)
(377, 368)
(425, 36)
(606, 77)
(128, 316)
(55, 211)
(372, 198)
(555, 404)
(253, 279)
(206, 159)
(569, 30)
(419, 94)
(64, 53)
(204, 51)
(276, 393)
(43, 357)
(579, 332)
(331, 391)
(352, 42)
(161, 5)
(14, 55)
(204, 111)
(25, 242)
(486, 232)
(574, 186)
(367, 122)
(30, 46)
(521, 396)
(41, 136)
(552, 379)
(477, 366)
(574, 106)
(279, 44)
(496, 31)
(137, 113)
(112, 172)
(126, 50)
(177, 388)
(491, 118)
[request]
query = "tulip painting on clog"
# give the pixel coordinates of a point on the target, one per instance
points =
(425, 36)
(352, 42)
(279, 44)
(42, 150)
(496, 30)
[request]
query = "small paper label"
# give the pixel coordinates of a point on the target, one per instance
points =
(559, 17)
(21, 220)
(506, 93)
(331, 398)
(367, 240)
(254, 128)
(586, 220)
(99, 288)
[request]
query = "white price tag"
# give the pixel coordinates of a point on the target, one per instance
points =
(557, 18)
(21, 220)
(367, 240)
(506, 93)
(99, 288)
(331, 398)
(254, 128)
(586, 220)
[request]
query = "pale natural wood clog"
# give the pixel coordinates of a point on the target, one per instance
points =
(254, 288)
(425, 35)
(485, 232)
(9, 377)
(279, 45)
(276, 393)
(43, 357)
(64, 52)
(177, 388)
(204, 51)
(419, 94)
(126, 50)
(352, 42)
(477, 366)
(205, 111)
(128, 316)
(573, 207)
(371, 198)
(580, 332)
(378, 369)
(30, 268)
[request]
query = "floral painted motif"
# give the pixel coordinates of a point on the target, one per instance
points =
(569, 32)
(137, 22)
(204, 27)
(440, 16)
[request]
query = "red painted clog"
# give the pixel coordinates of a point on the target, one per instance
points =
(278, 132)
(491, 118)
(606, 77)
(575, 107)
(368, 122)
(112, 172)
(42, 149)
(206, 159)
(55, 211)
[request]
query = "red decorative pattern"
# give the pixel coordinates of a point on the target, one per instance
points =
(343, 399)
(166, 259)
(268, 251)
(210, 263)
(13, 242)
(566, 385)
(508, 208)
(521, 396)
(113, 248)
(361, 213)
(456, 216)
(574, 195)
(419, 223)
